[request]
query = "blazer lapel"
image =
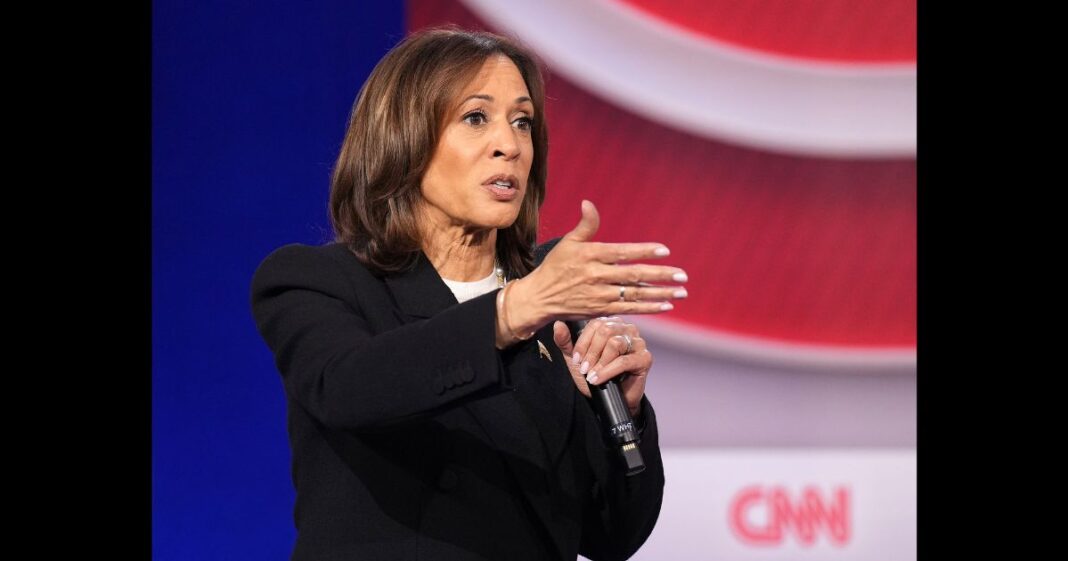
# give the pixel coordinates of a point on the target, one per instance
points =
(546, 389)
(529, 426)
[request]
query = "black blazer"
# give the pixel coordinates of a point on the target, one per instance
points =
(413, 437)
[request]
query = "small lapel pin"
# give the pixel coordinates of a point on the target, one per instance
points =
(542, 351)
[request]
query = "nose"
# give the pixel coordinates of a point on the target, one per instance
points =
(505, 143)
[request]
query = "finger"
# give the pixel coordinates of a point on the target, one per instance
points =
(587, 225)
(633, 376)
(602, 338)
(648, 293)
(638, 308)
(634, 363)
(615, 346)
(586, 335)
(633, 389)
(618, 252)
(639, 273)
(631, 384)
(562, 338)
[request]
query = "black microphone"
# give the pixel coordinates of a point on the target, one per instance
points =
(614, 414)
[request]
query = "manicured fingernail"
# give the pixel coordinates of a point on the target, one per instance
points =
(681, 293)
(575, 358)
(585, 367)
(680, 277)
(592, 378)
(667, 306)
(662, 251)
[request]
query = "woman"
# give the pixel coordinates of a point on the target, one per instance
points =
(438, 407)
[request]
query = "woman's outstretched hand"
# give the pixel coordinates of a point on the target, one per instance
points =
(582, 279)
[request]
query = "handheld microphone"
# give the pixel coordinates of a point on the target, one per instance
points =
(619, 427)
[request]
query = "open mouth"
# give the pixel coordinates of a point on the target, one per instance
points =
(503, 193)
(502, 187)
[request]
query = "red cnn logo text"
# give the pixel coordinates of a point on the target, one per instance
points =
(807, 516)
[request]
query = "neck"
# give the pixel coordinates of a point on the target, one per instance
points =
(459, 253)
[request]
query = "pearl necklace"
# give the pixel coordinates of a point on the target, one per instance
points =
(501, 281)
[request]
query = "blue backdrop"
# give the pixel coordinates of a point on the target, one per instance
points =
(249, 104)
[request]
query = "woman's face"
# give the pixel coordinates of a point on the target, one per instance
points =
(478, 174)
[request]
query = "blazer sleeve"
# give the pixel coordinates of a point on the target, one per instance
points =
(623, 510)
(346, 377)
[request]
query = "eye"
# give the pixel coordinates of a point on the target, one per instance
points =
(475, 115)
(524, 123)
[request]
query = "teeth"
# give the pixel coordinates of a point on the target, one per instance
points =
(503, 183)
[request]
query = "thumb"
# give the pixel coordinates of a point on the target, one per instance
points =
(562, 337)
(587, 226)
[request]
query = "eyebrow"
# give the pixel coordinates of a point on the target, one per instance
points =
(519, 99)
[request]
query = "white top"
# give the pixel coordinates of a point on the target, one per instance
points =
(465, 291)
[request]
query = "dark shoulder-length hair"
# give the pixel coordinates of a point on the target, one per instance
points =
(393, 130)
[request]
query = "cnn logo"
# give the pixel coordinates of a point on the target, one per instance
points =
(765, 515)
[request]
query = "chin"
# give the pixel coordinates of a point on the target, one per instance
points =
(502, 218)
